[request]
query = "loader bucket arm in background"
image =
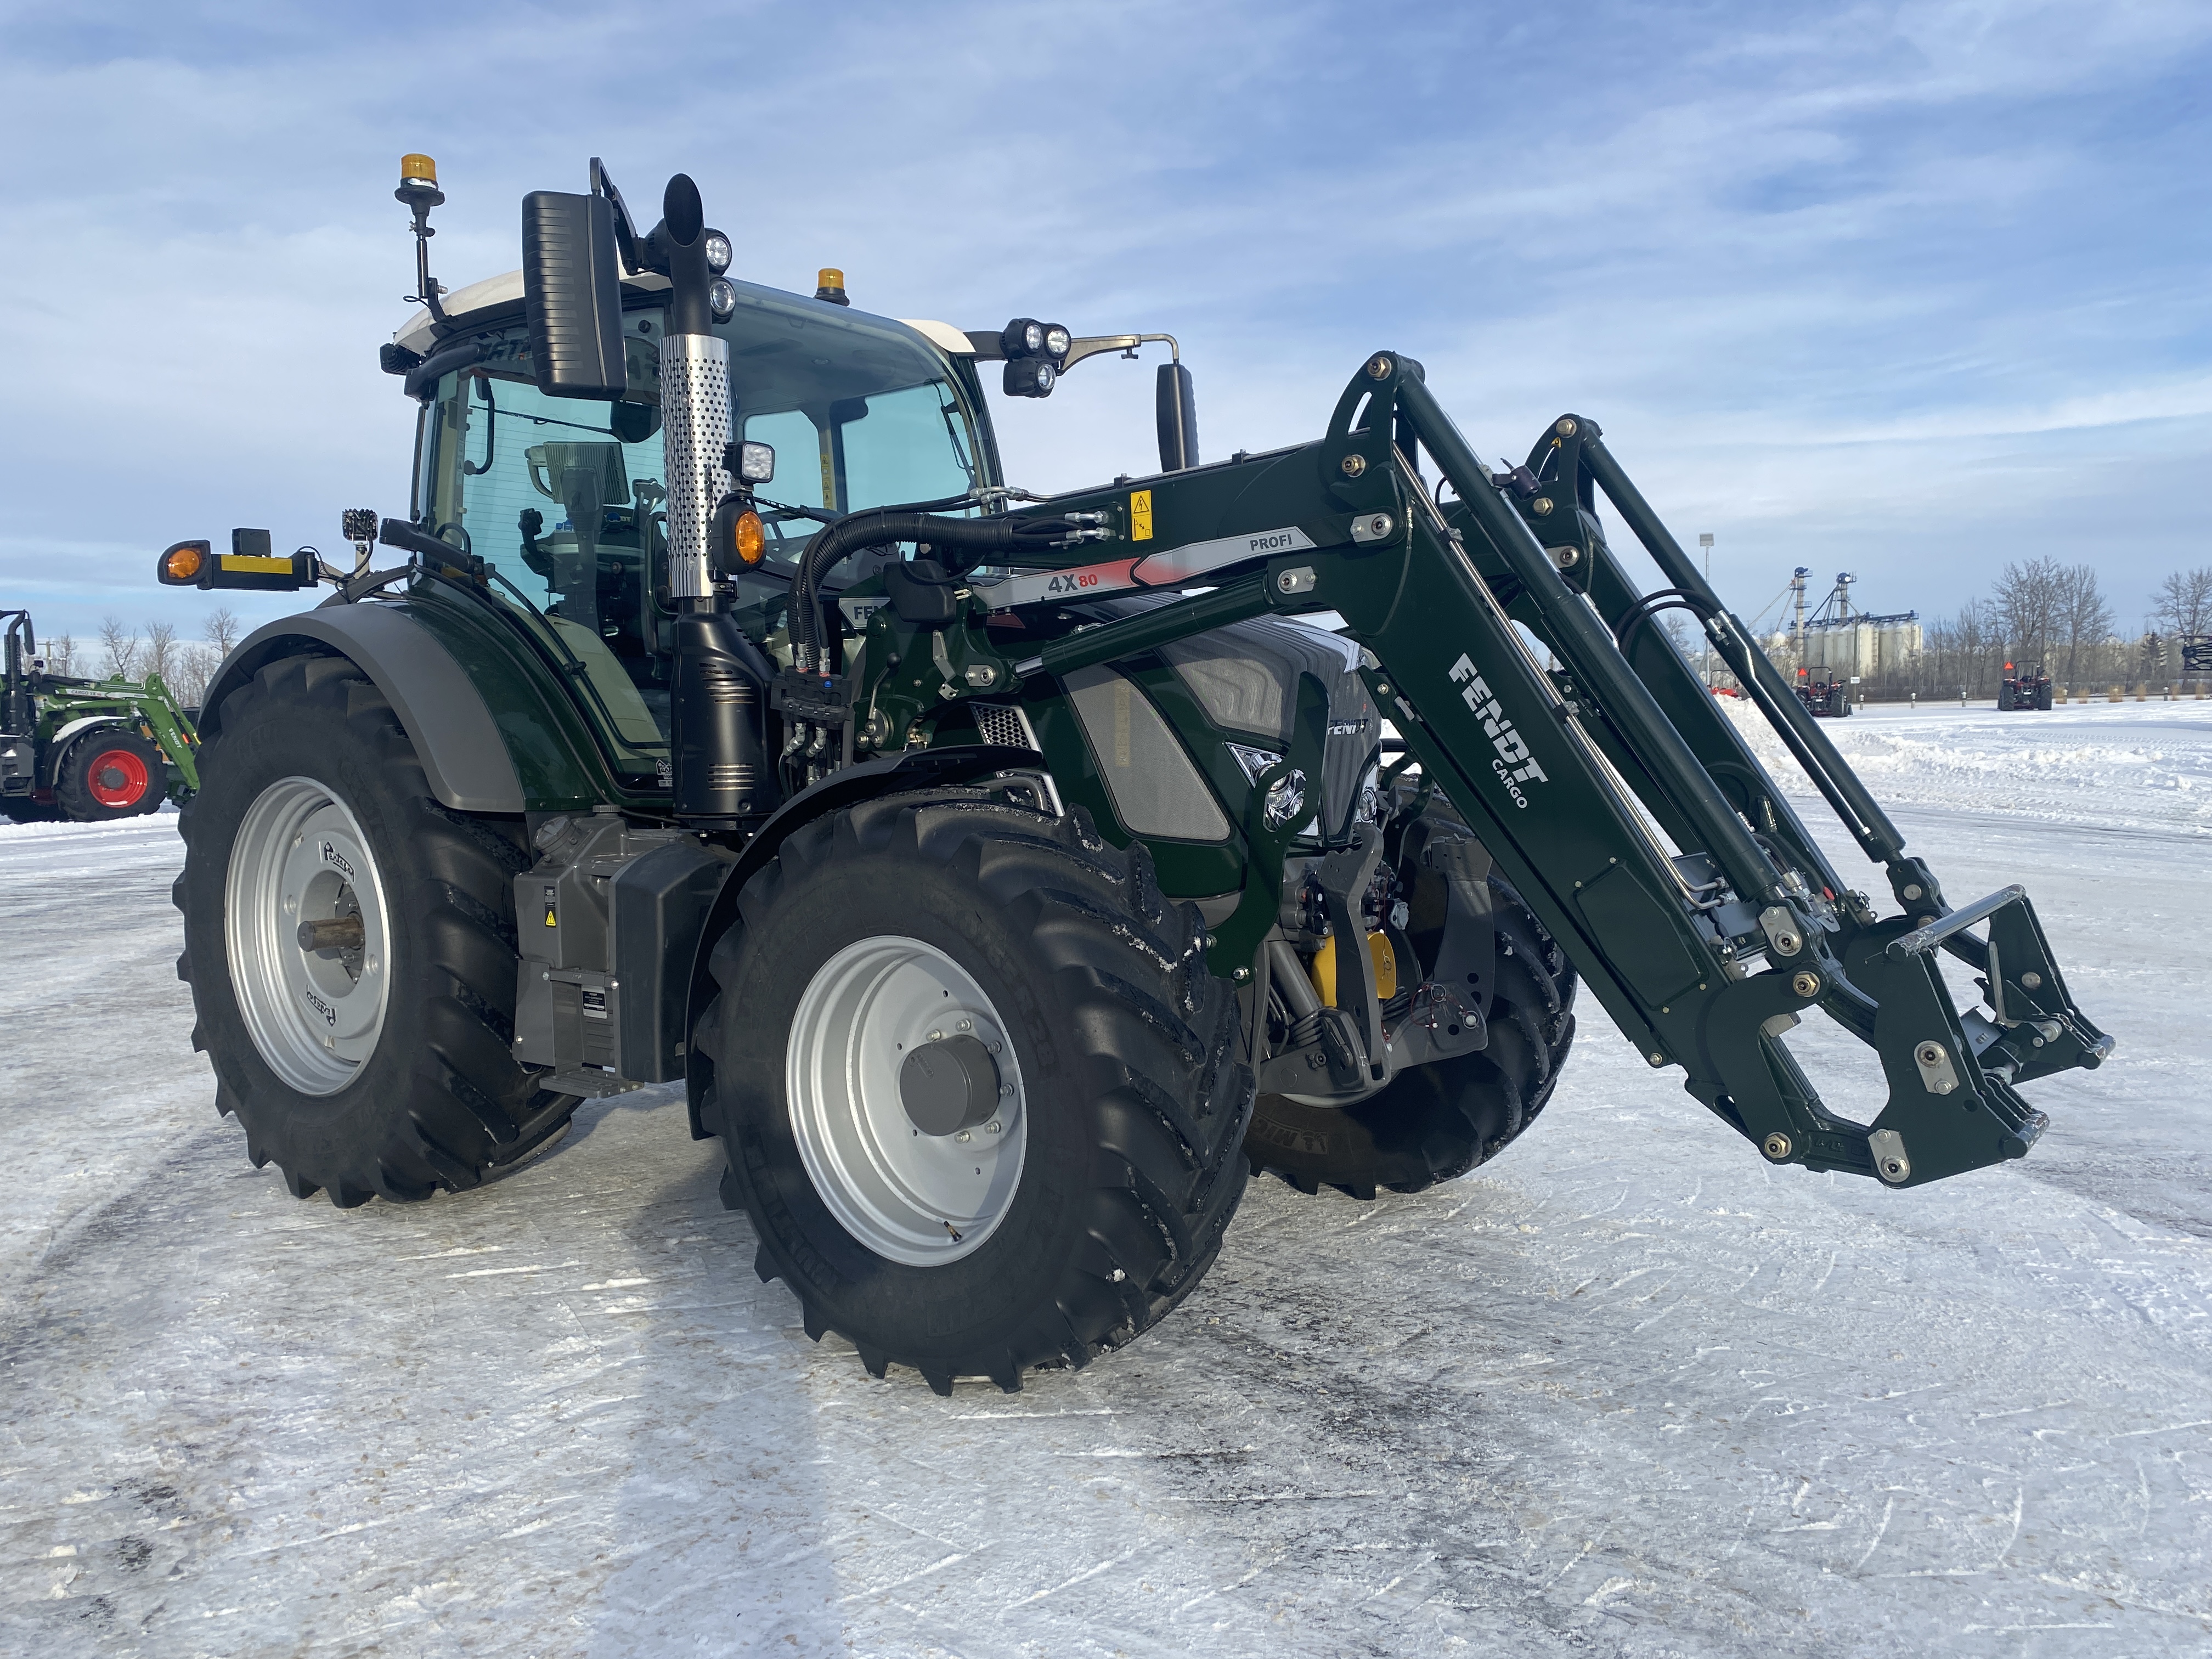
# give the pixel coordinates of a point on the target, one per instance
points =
(1629, 812)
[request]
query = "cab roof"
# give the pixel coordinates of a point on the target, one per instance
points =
(496, 293)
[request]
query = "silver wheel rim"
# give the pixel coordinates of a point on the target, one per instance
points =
(918, 1199)
(301, 856)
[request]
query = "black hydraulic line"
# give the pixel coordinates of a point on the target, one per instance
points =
(1590, 649)
(858, 529)
(1869, 824)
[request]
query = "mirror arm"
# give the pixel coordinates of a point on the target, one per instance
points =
(1094, 345)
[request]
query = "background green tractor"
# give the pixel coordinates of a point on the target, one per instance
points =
(1005, 878)
(87, 749)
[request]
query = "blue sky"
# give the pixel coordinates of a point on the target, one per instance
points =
(1908, 289)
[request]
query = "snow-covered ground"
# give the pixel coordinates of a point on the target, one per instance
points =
(1626, 1391)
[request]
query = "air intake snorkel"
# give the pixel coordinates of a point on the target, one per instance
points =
(695, 391)
(718, 700)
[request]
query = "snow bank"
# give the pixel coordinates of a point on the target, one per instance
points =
(2112, 766)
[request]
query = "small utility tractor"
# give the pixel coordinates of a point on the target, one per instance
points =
(1826, 696)
(2025, 688)
(1005, 878)
(87, 749)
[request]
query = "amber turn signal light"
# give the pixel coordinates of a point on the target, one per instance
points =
(748, 540)
(181, 565)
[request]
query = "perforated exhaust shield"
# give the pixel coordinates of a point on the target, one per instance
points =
(695, 413)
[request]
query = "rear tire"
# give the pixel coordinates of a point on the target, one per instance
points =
(383, 1069)
(1438, 1121)
(111, 774)
(1119, 1065)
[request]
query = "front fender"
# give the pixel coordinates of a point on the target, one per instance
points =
(58, 747)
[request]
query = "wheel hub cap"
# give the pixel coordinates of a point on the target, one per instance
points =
(117, 778)
(306, 925)
(906, 1101)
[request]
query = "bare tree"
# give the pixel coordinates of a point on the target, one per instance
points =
(2027, 603)
(1962, 651)
(223, 630)
(61, 654)
(160, 656)
(2184, 601)
(120, 645)
(196, 666)
(2084, 620)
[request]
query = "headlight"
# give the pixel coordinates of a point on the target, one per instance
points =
(1287, 800)
(718, 253)
(1056, 340)
(1030, 377)
(722, 297)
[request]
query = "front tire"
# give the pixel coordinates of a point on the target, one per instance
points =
(377, 1061)
(1438, 1121)
(1078, 1212)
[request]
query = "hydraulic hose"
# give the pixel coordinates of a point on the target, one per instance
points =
(839, 541)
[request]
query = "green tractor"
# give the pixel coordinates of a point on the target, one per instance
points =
(1007, 878)
(83, 749)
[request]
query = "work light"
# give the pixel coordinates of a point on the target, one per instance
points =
(1029, 377)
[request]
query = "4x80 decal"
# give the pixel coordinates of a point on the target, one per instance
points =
(1515, 765)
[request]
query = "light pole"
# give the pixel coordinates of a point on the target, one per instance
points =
(1705, 541)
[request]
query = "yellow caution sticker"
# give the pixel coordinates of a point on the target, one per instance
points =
(1140, 515)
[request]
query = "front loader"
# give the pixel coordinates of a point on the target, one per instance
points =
(1007, 877)
(87, 751)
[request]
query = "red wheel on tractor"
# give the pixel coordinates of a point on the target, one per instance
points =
(110, 774)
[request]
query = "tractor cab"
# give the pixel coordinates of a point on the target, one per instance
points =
(565, 501)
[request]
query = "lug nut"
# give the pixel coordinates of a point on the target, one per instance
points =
(1806, 984)
(1354, 465)
(1776, 1146)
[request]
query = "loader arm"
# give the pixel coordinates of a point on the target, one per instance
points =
(1630, 813)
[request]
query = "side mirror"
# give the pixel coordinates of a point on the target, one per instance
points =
(572, 295)
(1178, 418)
(249, 564)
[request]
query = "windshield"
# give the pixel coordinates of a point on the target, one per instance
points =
(565, 500)
(859, 412)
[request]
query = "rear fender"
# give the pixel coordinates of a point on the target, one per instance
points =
(920, 769)
(462, 754)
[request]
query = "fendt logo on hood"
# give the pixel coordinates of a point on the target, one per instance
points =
(1515, 765)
